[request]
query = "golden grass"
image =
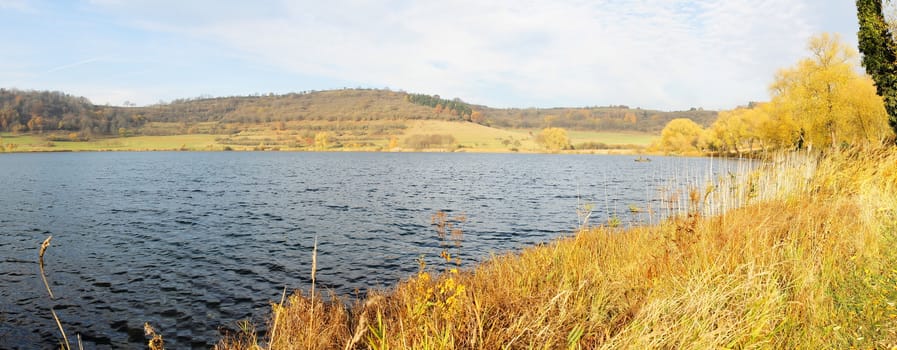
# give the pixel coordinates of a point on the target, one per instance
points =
(806, 262)
(611, 137)
(474, 137)
(367, 136)
(38, 143)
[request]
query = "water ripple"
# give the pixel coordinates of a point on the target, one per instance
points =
(194, 242)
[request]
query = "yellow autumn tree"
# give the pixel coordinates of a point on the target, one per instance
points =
(728, 131)
(739, 130)
(778, 130)
(680, 136)
(554, 139)
(868, 117)
(477, 117)
(393, 143)
(322, 140)
(827, 101)
(822, 101)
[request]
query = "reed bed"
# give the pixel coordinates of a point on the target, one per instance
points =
(799, 252)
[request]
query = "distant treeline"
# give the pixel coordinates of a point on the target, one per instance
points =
(349, 109)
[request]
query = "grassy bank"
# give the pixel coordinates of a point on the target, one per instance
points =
(809, 263)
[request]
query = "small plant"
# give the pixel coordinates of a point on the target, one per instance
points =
(614, 221)
(574, 337)
(449, 234)
(584, 213)
(156, 342)
(377, 340)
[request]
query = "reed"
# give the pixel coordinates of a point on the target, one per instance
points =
(798, 252)
(40, 257)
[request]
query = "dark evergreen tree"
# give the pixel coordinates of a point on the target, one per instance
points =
(879, 54)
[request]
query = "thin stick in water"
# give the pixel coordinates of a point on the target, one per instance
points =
(314, 267)
(40, 257)
(43, 275)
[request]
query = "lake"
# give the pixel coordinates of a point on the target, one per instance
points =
(194, 242)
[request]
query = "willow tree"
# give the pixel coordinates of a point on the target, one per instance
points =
(825, 98)
(680, 136)
(554, 139)
(879, 54)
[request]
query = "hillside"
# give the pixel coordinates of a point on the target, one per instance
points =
(43, 111)
(358, 119)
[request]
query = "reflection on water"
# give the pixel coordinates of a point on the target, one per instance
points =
(193, 242)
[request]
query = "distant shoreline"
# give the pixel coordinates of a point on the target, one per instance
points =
(268, 141)
(471, 150)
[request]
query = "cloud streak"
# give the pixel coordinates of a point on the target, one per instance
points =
(72, 65)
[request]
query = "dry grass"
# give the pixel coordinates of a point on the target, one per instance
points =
(806, 261)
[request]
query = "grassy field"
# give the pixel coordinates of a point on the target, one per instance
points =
(299, 136)
(606, 137)
(38, 143)
(611, 138)
(806, 262)
(475, 137)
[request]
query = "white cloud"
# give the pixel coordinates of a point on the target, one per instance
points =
(649, 53)
(19, 5)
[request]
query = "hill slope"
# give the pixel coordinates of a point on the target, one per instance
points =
(42, 111)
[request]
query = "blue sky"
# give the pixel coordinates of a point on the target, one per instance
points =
(663, 54)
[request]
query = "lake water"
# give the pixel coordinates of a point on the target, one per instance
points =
(194, 242)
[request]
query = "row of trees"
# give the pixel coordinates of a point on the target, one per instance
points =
(454, 107)
(822, 101)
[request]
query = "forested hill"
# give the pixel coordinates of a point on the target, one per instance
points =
(42, 111)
